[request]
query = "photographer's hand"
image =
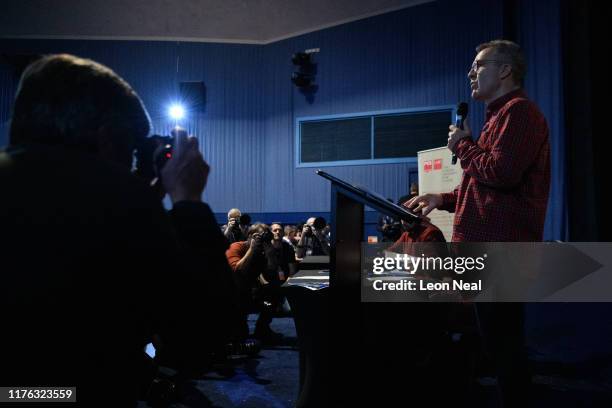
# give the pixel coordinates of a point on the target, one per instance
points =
(184, 176)
(232, 223)
(257, 242)
(255, 247)
(301, 245)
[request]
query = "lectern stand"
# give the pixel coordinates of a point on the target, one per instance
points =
(328, 321)
(347, 219)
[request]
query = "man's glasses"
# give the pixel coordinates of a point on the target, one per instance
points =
(477, 64)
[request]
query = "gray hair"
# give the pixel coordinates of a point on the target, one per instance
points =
(512, 54)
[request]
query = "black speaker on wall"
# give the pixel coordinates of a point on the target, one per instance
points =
(193, 95)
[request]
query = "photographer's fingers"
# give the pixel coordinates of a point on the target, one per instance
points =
(192, 151)
(256, 239)
(198, 171)
(189, 146)
(193, 142)
(187, 153)
(183, 143)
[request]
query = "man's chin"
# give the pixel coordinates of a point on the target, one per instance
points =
(476, 95)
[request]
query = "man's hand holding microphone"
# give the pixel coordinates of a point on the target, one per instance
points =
(426, 203)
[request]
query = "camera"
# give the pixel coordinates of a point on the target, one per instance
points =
(153, 152)
(163, 153)
(266, 236)
(307, 230)
(245, 220)
(319, 223)
(237, 221)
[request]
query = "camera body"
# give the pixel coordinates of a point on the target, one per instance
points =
(153, 152)
(307, 230)
(245, 220)
(319, 223)
(267, 236)
(163, 152)
(151, 155)
(237, 221)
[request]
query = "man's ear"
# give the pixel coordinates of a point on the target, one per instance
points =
(506, 71)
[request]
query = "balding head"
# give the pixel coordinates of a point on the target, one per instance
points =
(233, 213)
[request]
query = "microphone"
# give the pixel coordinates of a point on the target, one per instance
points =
(462, 111)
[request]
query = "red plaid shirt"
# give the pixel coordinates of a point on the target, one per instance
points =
(506, 175)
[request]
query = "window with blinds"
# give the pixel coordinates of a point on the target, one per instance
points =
(381, 137)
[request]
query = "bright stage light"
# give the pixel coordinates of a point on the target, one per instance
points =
(176, 112)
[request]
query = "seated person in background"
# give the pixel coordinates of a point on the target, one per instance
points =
(414, 191)
(313, 240)
(421, 238)
(389, 227)
(418, 232)
(245, 224)
(94, 267)
(421, 231)
(232, 230)
(282, 254)
(289, 237)
(326, 231)
(256, 272)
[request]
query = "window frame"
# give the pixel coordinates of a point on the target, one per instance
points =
(452, 110)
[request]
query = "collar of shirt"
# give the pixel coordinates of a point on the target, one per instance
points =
(498, 103)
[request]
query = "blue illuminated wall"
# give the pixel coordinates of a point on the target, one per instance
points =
(405, 59)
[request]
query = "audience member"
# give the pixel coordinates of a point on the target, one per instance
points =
(290, 236)
(232, 230)
(256, 268)
(390, 227)
(313, 241)
(282, 254)
(414, 191)
(245, 224)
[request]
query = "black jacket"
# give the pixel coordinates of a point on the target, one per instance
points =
(92, 267)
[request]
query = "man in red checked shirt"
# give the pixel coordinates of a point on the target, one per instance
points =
(503, 194)
(506, 174)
